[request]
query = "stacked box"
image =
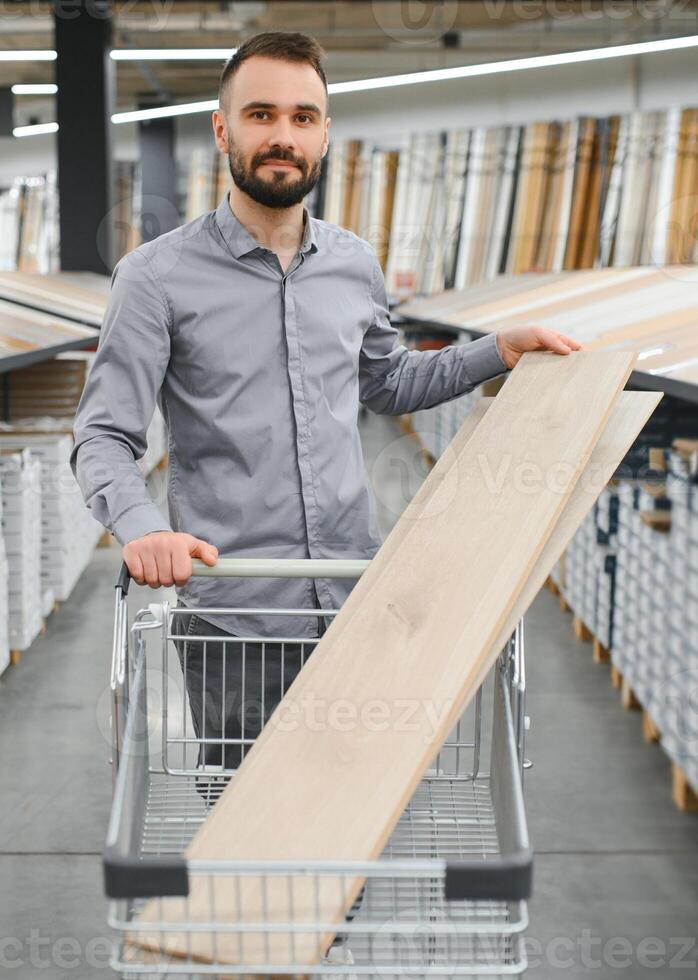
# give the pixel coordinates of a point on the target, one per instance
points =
(639, 634)
(4, 605)
(589, 568)
(50, 388)
(579, 588)
(68, 533)
(20, 481)
(47, 602)
(607, 539)
(674, 706)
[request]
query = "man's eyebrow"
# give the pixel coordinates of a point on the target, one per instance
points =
(302, 106)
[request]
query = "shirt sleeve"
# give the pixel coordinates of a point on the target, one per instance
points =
(394, 380)
(118, 402)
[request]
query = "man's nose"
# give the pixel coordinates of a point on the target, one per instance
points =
(282, 134)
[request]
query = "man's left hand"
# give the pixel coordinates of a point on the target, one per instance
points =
(516, 341)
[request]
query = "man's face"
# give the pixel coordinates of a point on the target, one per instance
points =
(277, 130)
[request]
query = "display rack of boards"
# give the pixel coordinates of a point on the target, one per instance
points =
(29, 225)
(630, 574)
(47, 340)
(461, 206)
(80, 296)
(651, 310)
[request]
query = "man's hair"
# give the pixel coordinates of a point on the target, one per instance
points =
(284, 45)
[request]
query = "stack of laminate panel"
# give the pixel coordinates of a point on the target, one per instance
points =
(127, 212)
(646, 611)
(29, 224)
(20, 479)
(651, 310)
(50, 388)
(606, 536)
(589, 570)
(642, 576)
(459, 207)
(4, 602)
(673, 706)
(580, 571)
(68, 533)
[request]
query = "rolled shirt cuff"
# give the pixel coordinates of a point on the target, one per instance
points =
(137, 521)
(482, 360)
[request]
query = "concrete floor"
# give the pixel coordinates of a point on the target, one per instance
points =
(616, 868)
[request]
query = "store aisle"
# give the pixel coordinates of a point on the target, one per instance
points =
(614, 859)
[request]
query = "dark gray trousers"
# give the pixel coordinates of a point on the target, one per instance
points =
(233, 687)
(233, 690)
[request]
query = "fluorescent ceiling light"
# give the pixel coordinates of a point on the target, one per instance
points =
(162, 112)
(516, 64)
(436, 75)
(35, 130)
(48, 89)
(443, 74)
(172, 54)
(18, 55)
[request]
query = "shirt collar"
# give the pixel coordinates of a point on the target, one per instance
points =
(241, 242)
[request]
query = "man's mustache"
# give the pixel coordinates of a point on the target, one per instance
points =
(278, 156)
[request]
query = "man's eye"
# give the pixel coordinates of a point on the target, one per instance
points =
(259, 112)
(304, 116)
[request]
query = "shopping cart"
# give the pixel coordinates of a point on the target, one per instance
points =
(448, 895)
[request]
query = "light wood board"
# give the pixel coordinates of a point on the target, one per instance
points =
(424, 632)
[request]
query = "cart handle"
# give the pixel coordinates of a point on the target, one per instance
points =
(268, 568)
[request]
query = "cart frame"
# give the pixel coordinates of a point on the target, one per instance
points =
(449, 891)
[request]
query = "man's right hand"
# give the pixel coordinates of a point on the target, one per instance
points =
(164, 557)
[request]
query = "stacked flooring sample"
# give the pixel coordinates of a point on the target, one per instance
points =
(631, 575)
(29, 224)
(20, 487)
(49, 534)
(73, 296)
(459, 207)
(424, 624)
(650, 311)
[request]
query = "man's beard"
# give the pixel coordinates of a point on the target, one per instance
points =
(279, 191)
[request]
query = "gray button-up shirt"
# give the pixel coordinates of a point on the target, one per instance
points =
(259, 374)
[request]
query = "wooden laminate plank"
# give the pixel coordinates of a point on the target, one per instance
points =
(505, 183)
(628, 418)
(566, 195)
(580, 192)
(423, 631)
(54, 295)
(567, 287)
(550, 218)
(589, 240)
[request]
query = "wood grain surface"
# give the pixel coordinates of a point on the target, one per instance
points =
(423, 633)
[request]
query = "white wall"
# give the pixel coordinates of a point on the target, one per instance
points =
(602, 88)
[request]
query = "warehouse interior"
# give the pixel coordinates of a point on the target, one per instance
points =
(508, 163)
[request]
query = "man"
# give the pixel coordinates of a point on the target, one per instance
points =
(259, 329)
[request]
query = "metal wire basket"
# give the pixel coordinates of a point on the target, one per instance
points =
(446, 897)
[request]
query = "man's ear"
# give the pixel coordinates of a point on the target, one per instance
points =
(220, 130)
